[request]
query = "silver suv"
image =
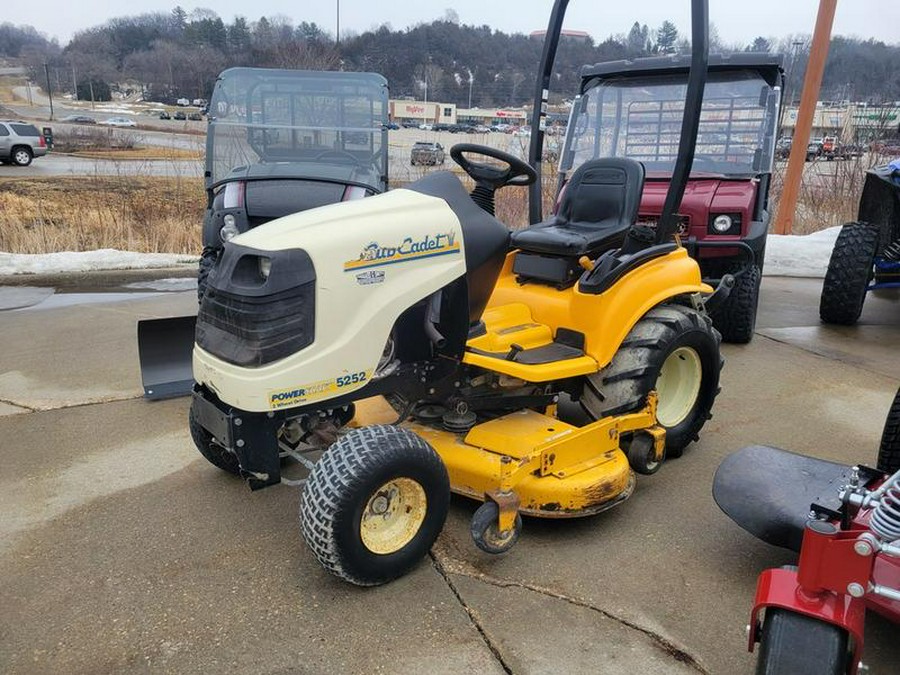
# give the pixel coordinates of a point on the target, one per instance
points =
(20, 142)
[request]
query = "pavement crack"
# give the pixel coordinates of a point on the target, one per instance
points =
(473, 617)
(18, 405)
(662, 642)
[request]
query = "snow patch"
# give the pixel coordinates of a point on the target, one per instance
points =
(87, 261)
(786, 255)
(791, 255)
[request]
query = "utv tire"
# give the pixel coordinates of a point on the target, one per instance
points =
(685, 342)
(216, 455)
(889, 450)
(849, 272)
(207, 261)
(374, 504)
(796, 644)
(21, 156)
(736, 319)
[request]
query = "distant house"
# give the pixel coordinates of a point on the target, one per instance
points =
(577, 35)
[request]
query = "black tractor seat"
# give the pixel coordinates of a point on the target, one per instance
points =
(768, 491)
(599, 205)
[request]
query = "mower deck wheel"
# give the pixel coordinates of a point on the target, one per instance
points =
(486, 533)
(217, 455)
(796, 644)
(374, 504)
(642, 455)
(850, 270)
(889, 450)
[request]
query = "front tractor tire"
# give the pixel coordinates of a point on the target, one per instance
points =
(216, 454)
(850, 270)
(736, 319)
(374, 504)
(796, 644)
(673, 350)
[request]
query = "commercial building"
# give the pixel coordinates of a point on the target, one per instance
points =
(851, 122)
(434, 112)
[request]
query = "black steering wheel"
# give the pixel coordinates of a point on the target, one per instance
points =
(518, 172)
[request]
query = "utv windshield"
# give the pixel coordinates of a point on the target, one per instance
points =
(640, 117)
(298, 124)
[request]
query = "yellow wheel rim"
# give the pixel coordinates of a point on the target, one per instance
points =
(393, 516)
(678, 386)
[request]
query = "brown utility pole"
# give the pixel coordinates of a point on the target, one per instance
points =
(815, 68)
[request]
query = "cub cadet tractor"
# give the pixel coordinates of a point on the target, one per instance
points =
(423, 349)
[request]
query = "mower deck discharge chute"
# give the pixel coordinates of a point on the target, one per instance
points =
(422, 349)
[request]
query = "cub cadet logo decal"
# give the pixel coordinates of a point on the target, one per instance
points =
(311, 392)
(375, 255)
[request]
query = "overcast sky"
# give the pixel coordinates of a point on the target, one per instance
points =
(736, 20)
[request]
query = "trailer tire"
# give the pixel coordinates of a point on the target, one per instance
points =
(685, 342)
(736, 319)
(850, 270)
(796, 644)
(374, 504)
(889, 450)
(215, 454)
(207, 260)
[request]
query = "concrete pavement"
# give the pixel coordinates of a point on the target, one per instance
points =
(122, 550)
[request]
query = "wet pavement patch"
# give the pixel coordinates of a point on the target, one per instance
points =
(17, 297)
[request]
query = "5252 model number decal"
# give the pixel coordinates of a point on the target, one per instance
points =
(347, 380)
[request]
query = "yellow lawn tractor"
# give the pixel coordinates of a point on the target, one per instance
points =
(419, 348)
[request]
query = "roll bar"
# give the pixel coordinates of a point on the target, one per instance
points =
(689, 124)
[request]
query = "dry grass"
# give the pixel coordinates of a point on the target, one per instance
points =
(829, 193)
(44, 215)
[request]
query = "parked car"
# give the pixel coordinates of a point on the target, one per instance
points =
(118, 122)
(180, 115)
(813, 151)
(164, 115)
(425, 126)
(20, 142)
(195, 116)
(409, 124)
(426, 153)
(78, 119)
(392, 126)
(783, 148)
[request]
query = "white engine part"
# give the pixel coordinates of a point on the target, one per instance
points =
(373, 259)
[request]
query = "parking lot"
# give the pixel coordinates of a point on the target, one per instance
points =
(122, 550)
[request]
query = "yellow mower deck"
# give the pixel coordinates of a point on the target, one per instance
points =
(533, 463)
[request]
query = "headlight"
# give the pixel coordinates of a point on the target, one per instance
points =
(265, 266)
(229, 231)
(722, 223)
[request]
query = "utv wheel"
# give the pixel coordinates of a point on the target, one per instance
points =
(795, 644)
(374, 504)
(850, 270)
(22, 156)
(486, 533)
(736, 319)
(207, 261)
(216, 455)
(889, 450)
(674, 350)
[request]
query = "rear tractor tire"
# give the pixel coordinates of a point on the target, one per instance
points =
(796, 644)
(218, 456)
(673, 350)
(850, 270)
(736, 319)
(889, 450)
(374, 504)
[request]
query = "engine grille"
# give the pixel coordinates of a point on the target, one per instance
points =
(253, 324)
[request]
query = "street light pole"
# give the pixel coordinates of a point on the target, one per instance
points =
(49, 89)
(337, 35)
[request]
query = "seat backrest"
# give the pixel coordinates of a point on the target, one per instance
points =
(606, 190)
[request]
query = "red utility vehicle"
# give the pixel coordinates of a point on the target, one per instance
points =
(634, 109)
(845, 524)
